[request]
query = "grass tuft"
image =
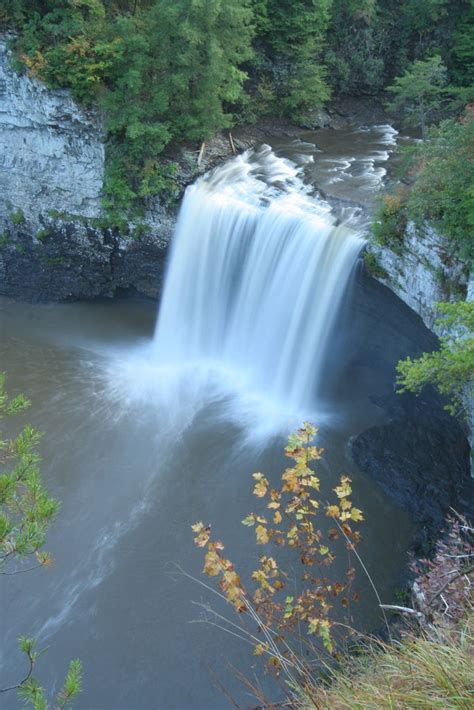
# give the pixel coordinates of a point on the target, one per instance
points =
(428, 671)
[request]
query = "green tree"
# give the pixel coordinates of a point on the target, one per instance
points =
(463, 49)
(419, 91)
(357, 48)
(26, 512)
(175, 76)
(451, 368)
(292, 41)
(443, 192)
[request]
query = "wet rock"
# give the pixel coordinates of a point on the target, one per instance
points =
(72, 260)
(420, 459)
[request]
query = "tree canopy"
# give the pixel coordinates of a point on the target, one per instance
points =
(164, 72)
(419, 91)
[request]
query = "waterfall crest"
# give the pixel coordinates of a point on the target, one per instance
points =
(256, 276)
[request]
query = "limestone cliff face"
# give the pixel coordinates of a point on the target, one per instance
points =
(424, 272)
(52, 244)
(51, 152)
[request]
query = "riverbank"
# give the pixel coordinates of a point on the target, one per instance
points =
(428, 661)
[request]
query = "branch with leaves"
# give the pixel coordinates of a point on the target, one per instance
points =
(451, 368)
(26, 512)
(290, 520)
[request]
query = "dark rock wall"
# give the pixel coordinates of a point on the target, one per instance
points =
(74, 261)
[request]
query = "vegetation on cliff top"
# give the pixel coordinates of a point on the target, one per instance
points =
(440, 189)
(166, 71)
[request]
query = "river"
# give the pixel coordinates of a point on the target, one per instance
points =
(137, 451)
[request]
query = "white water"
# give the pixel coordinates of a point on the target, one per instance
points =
(256, 277)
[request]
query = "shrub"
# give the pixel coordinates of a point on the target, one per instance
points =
(391, 220)
(451, 368)
(373, 266)
(17, 217)
(289, 520)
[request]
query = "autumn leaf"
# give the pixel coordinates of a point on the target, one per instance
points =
(249, 520)
(212, 564)
(344, 489)
(203, 534)
(273, 505)
(261, 486)
(356, 515)
(262, 535)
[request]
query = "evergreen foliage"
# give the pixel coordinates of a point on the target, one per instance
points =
(451, 368)
(172, 71)
(443, 192)
(294, 39)
(419, 91)
(26, 512)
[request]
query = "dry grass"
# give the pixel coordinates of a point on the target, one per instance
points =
(428, 671)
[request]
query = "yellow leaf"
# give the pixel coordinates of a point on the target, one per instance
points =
(277, 518)
(344, 489)
(356, 515)
(262, 535)
(261, 486)
(212, 564)
(249, 520)
(332, 511)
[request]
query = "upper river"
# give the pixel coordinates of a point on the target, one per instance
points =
(138, 444)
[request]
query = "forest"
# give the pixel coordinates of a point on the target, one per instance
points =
(164, 72)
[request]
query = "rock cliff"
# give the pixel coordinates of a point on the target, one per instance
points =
(55, 244)
(424, 272)
(51, 152)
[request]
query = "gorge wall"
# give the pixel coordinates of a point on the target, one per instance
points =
(54, 242)
(423, 274)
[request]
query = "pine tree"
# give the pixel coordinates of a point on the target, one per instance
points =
(295, 40)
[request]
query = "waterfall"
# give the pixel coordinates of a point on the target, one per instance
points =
(256, 276)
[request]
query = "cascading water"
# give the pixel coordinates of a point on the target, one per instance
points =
(257, 273)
